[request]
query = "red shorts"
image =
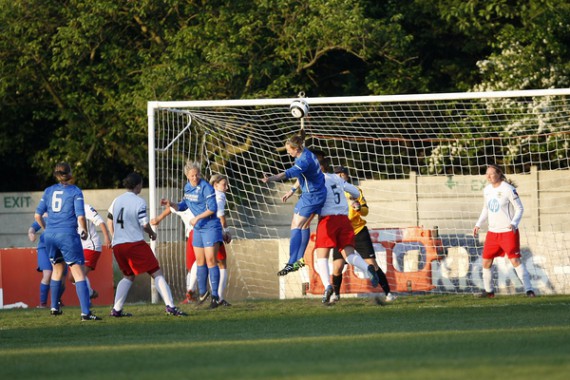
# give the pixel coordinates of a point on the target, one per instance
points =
(135, 258)
(334, 231)
(91, 258)
(499, 244)
(191, 256)
(222, 255)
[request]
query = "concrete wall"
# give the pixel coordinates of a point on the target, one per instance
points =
(17, 212)
(451, 203)
(454, 203)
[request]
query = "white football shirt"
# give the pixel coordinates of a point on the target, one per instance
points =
(93, 219)
(186, 216)
(221, 202)
(129, 217)
(502, 207)
(336, 203)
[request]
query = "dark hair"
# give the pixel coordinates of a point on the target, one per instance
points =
(62, 172)
(132, 180)
(325, 164)
(318, 153)
(340, 169)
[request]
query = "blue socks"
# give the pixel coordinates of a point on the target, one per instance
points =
(55, 288)
(214, 273)
(305, 235)
(83, 295)
(294, 244)
(202, 274)
(44, 290)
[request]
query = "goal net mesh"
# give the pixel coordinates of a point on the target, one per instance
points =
(420, 163)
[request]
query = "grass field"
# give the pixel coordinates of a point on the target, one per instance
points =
(416, 337)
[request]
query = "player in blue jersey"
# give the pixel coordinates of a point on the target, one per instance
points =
(64, 204)
(200, 198)
(311, 180)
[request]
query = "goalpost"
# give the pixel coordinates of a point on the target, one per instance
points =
(420, 161)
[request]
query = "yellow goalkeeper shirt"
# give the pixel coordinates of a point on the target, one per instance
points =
(356, 216)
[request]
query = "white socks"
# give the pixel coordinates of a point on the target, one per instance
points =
(524, 276)
(488, 280)
(356, 260)
(192, 278)
(163, 290)
(89, 286)
(323, 271)
(223, 283)
(121, 293)
(521, 272)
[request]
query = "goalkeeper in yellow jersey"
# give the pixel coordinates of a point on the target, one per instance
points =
(363, 243)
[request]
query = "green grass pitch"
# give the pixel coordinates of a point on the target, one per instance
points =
(415, 337)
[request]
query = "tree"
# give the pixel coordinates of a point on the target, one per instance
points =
(87, 69)
(77, 75)
(529, 50)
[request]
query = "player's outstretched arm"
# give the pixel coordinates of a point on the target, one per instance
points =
(156, 221)
(273, 178)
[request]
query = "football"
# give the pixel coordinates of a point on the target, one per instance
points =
(299, 109)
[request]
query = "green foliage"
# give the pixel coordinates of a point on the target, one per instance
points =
(76, 75)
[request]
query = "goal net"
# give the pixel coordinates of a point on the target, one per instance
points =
(420, 162)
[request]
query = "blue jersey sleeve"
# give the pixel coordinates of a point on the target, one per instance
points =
(301, 165)
(36, 226)
(42, 206)
(210, 196)
(79, 203)
(182, 206)
(308, 171)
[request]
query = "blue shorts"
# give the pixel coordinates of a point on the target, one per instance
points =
(207, 237)
(43, 260)
(64, 247)
(310, 203)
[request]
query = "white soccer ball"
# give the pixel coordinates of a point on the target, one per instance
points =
(299, 108)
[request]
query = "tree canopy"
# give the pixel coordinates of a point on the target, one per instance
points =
(76, 75)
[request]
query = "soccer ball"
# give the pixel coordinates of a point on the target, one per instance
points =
(299, 108)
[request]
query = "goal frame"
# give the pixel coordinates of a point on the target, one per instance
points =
(153, 106)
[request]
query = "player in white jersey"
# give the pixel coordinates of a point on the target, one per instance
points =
(92, 246)
(503, 209)
(191, 277)
(362, 240)
(127, 220)
(220, 184)
(334, 230)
